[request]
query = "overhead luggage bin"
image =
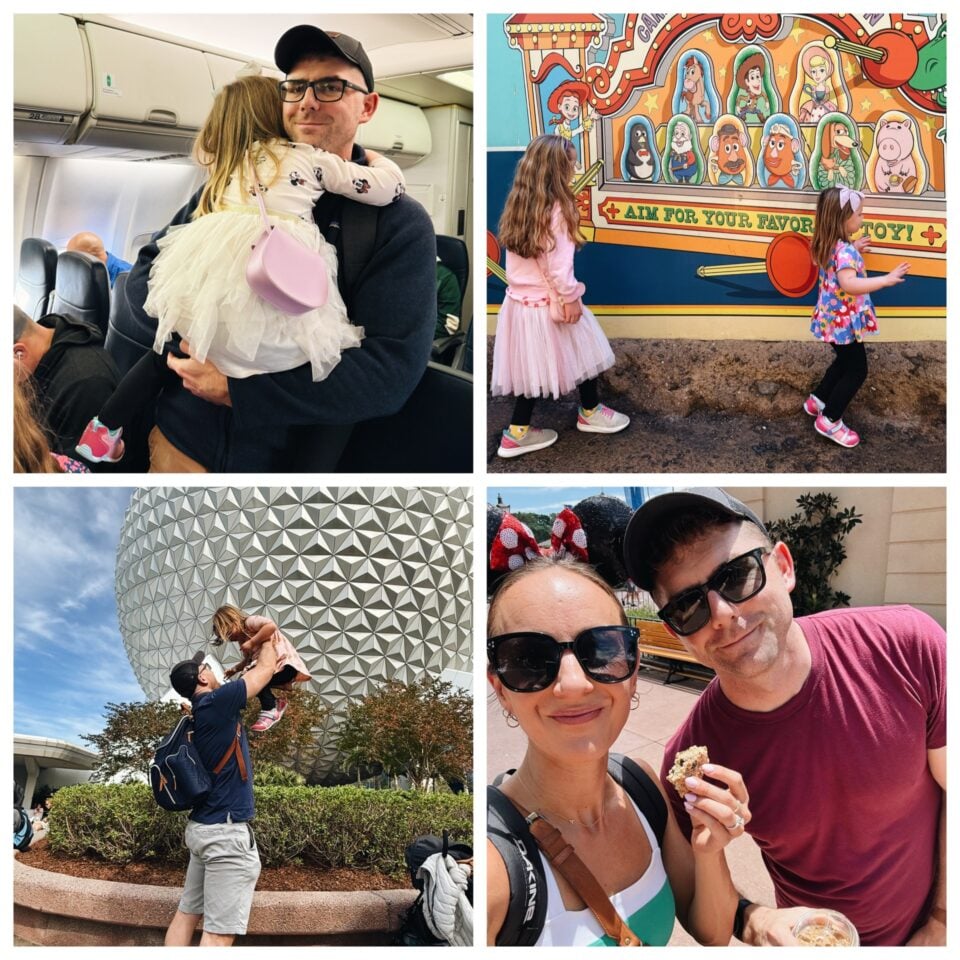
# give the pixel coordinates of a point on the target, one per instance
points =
(51, 79)
(398, 130)
(159, 109)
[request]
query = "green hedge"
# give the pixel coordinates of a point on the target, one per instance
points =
(324, 826)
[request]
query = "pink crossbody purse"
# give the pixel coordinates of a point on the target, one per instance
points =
(282, 270)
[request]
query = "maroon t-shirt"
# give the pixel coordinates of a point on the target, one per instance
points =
(845, 810)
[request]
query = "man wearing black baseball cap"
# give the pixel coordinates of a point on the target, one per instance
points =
(387, 275)
(836, 722)
(224, 861)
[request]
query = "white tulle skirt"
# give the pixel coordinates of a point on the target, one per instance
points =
(198, 289)
(535, 357)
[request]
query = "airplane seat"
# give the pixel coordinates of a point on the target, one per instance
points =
(444, 399)
(36, 276)
(122, 342)
(453, 254)
(463, 358)
(82, 288)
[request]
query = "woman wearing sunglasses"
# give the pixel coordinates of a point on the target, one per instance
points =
(563, 662)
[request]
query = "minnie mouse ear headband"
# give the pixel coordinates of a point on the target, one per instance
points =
(514, 543)
(645, 521)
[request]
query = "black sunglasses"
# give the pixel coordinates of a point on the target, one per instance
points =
(326, 90)
(737, 580)
(529, 662)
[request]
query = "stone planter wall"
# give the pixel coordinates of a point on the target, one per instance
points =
(54, 909)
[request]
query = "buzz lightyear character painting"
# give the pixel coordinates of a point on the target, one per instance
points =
(782, 163)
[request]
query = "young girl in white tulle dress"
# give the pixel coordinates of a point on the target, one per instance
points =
(198, 288)
(547, 341)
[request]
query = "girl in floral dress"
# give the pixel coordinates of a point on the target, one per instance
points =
(844, 312)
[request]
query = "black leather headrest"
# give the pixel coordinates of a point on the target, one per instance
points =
(82, 288)
(36, 276)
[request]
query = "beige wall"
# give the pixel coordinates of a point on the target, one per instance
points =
(898, 554)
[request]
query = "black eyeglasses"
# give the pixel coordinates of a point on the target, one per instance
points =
(737, 580)
(528, 662)
(326, 89)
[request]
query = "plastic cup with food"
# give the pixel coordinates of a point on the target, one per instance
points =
(825, 928)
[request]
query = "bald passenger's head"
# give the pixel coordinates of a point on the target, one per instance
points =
(87, 242)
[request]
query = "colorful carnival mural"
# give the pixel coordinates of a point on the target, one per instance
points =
(703, 140)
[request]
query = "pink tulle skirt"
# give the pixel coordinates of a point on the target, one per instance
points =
(535, 357)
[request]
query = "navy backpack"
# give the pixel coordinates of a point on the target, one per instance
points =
(178, 778)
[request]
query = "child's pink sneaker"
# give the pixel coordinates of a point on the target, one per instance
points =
(269, 718)
(99, 443)
(838, 432)
(813, 405)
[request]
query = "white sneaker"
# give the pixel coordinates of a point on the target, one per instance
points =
(533, 439)
(602, 420)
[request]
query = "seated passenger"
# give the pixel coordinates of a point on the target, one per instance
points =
(69, 371)
(87, 242)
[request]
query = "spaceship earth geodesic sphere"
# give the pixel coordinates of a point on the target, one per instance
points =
(369, 584)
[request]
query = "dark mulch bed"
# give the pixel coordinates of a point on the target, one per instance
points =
(289, 877)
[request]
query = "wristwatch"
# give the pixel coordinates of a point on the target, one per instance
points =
(739, 918)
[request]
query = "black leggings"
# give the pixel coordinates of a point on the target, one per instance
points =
(137, 390)
(267, 700)
(523, 408)
(844, 377)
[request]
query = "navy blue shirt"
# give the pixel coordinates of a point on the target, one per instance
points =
(215, 718)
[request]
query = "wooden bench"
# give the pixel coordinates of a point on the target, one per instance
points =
(661, 649)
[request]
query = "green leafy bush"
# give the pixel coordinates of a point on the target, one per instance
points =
(815, 536)
(324, 826)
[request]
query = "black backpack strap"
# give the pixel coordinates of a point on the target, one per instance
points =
(507, 830)
(358, 224)
(642, 790)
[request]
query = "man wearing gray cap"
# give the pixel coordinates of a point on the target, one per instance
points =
(387, 276)
(836, 722)
(224, 861)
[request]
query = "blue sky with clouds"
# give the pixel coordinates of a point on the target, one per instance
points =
(551, 500)
(69, 658)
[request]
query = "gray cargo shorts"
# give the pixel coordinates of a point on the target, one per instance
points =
(223, 870)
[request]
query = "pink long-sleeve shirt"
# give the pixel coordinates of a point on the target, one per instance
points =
(532, 281)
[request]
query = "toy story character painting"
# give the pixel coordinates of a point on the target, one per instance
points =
(640, 160)
(683, 159)
(695, 95)
(817, 97)
(836, 160)
(752, 98)
(568, 104)
(896, 164)
(730, 163)
(781, 163)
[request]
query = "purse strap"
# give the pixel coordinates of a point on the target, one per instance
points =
(562, 856)
(554, 296)
(256, 189)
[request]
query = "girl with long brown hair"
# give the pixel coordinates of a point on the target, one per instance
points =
(198, 289)
(844, 311)
(251, 632)
(547, 341)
